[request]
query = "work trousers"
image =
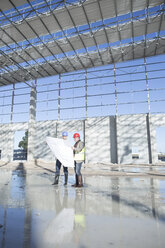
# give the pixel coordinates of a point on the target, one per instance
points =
(58, 167)
(77, 168)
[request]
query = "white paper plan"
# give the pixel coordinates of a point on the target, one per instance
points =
(62, 151)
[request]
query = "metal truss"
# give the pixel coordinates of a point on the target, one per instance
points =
(103, 38)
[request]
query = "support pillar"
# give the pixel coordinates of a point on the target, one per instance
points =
(59, 96)
(113, 139)
(149, 138)
(86, 93)
(152, 146)
(114, 69)
(32, 120)
(147, 86)
(84, 133)
(116, 121)
(12, 104)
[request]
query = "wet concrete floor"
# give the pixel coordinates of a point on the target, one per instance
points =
(110, 211)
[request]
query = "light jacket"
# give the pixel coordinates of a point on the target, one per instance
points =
(79, 152)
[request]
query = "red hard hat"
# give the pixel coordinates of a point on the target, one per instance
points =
(76, 135)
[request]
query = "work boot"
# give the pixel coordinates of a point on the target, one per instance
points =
(66, 179)
(80, 182)
(76, 181)
(56, 180)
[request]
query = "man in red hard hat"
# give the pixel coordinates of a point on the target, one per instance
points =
(79, 157)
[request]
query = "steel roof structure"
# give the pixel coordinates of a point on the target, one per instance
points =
(47, 37)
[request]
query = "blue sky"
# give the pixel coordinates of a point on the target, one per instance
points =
(131, 92)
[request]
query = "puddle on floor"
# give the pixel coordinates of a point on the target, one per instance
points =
(108, 212)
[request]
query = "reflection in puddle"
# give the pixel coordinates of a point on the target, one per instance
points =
(108, 212)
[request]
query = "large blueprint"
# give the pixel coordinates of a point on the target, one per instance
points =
(62, 151)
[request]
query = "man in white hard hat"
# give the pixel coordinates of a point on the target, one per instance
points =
(58, 166)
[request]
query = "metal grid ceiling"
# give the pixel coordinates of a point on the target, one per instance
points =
(23, 58)
(46, 69)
